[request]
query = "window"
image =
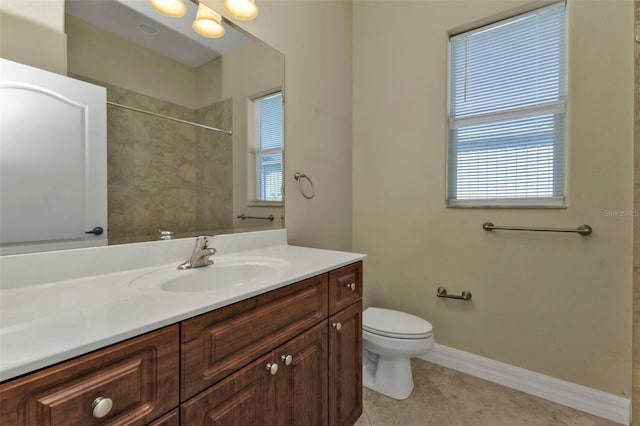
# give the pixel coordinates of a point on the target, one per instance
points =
(506, 112)
(268, 141)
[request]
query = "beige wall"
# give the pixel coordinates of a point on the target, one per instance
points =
(87, 45)
(315, 37)
(248, 71)
(32, 33)
(558, 304)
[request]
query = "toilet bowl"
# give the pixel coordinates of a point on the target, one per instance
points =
(390, 339)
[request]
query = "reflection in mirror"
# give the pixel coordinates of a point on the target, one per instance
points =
(169, 175)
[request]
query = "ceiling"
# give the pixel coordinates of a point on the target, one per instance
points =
(174, 37)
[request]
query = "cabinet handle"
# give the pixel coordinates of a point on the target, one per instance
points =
(351, 286)
(101, 407)
(287, 359)
(272, 368)
(337, 326)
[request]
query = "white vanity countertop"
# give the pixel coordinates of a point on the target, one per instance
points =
(45, 323)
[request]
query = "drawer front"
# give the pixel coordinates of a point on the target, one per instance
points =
(139, 376)
(217, 344)
(345, 287)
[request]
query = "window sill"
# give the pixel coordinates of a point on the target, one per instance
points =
(256, 203)
(546, 203)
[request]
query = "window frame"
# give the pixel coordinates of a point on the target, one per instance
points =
(254, 179)
(560, 106)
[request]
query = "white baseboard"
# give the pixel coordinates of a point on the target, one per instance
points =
(581, 398)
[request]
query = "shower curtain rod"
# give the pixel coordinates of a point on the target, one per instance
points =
(155, 114)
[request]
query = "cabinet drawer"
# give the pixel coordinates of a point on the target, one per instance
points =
(345, 287)
(217, 344)
(140, 376)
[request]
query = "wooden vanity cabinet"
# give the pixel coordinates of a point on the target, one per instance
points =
(139, 376)
(289, 357)
(317, 380)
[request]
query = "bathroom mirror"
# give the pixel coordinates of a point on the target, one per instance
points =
(163, 172)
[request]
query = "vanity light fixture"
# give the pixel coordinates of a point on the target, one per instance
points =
(171, 8)
(208, 23)
(244, 10)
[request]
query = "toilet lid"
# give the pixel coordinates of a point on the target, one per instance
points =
(390, 323)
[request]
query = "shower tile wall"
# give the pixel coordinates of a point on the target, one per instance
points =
(166, 175)
(214, 168)
(635, 410)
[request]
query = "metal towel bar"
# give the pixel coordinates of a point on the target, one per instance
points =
(244, 216)
(442, 292)
(583, 230)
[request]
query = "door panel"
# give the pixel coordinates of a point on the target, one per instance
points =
(243, 399)
(345, 366)
(303, 392)
(53, 159)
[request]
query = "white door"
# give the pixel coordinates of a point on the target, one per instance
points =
(53, 161)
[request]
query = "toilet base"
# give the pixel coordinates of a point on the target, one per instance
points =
(390, 376)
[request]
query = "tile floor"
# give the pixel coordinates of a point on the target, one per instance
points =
(444, 397)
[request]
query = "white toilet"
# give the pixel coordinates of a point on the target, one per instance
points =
(390, 339)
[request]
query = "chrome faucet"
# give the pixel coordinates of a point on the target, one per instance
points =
(200, 255)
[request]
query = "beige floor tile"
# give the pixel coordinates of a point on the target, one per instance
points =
(444, 397)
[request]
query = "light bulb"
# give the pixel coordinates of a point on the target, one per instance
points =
(172, 8)
(243, 10)
(208, 23)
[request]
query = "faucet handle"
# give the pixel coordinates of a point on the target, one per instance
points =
(202, 242)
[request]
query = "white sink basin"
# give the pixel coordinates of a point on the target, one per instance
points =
(225, 273)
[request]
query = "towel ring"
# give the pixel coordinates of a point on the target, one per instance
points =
(298, 177)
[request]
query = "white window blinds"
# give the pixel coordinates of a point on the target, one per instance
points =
(506, 111)
(268, 114)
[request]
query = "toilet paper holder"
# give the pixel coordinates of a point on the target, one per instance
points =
(442, 292)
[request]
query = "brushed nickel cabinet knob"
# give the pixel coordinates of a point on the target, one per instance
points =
(337, 326)
(287, 359)
(101, 407)
(351, 286)
(272, 368)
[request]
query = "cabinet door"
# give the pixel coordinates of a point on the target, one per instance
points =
(139, 377)
(247, 398)
(345, 366)
(345, 287)
(302, 389)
